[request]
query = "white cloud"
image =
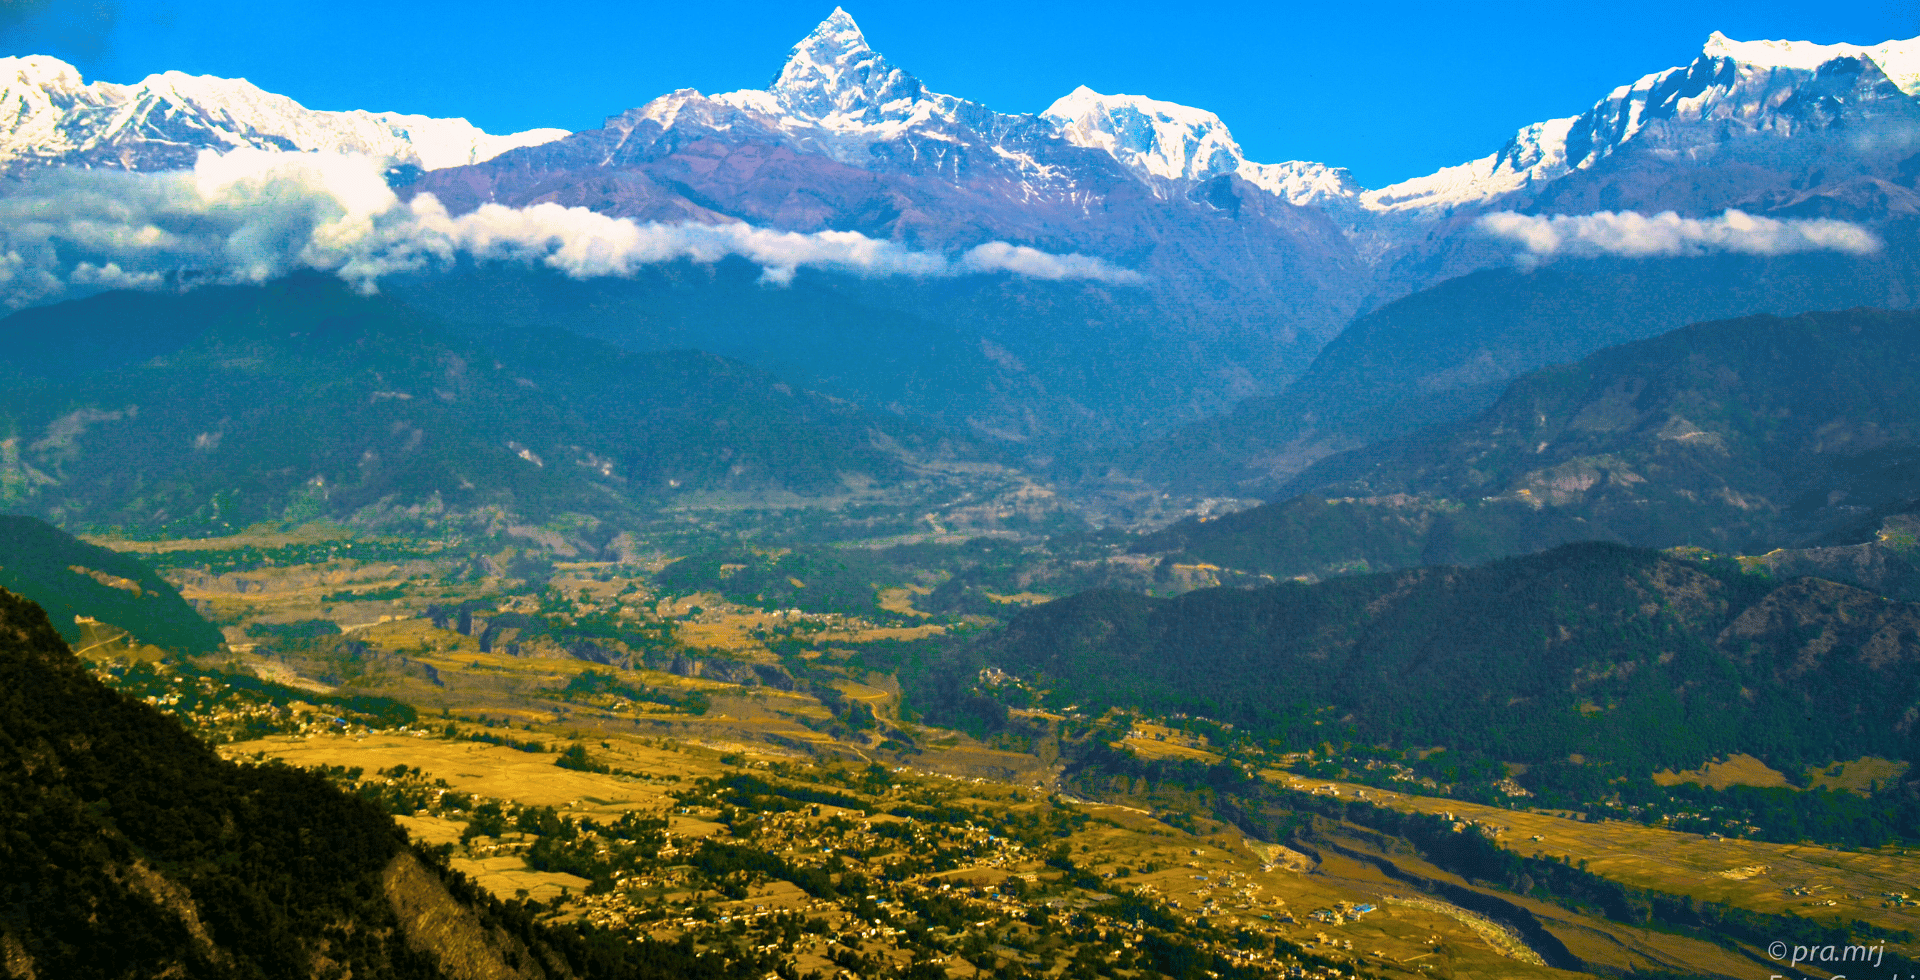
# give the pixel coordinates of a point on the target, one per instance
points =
(253, 215)
(1035, 264)
(1634, 235)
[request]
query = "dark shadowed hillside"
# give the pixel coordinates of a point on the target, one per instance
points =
(131, 850)
(128, 849)
(69, 577)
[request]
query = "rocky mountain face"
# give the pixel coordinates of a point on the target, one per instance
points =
(1749, 125)
(50, 116)
(1779, 128)
(1741, 436)
(1762, 106)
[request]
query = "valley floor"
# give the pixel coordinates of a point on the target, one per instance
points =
(692, 764)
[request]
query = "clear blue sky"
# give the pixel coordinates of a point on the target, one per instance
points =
(1388, 89)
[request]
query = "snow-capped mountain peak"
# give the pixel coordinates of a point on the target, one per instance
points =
(1734, 90)
(835, 80)
(836, 95)
(1171, 141)
(1164, 139)
(49, 115)
(41, 72)
(834, 70)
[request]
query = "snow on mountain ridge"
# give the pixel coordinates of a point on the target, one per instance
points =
(836, 95)
(1899, 59)
(1171, 141)
(1731, 81)
(1739, 88)
(1304, 182)
(1537, 152)
(49, 115)
(43, 72)
(1164, 139)
(1731, 88)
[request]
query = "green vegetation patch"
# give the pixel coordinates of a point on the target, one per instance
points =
(815, 581)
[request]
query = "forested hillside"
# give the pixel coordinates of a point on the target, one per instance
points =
(1632, 658)
(68, 577)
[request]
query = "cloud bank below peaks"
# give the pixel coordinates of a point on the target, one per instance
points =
(1632, 235)
(254, 215)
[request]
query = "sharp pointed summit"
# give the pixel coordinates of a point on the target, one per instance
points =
(837, 96)
(833, 71)
(838, 30)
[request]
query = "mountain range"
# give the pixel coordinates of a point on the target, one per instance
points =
(838, 98)
(1244, 269)
(844, 139)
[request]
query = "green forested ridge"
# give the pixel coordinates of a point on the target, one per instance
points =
(1880, 552)
(127, 848)
(300, 399)
(1740, 436)
(69, 577)
(1637, 658)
